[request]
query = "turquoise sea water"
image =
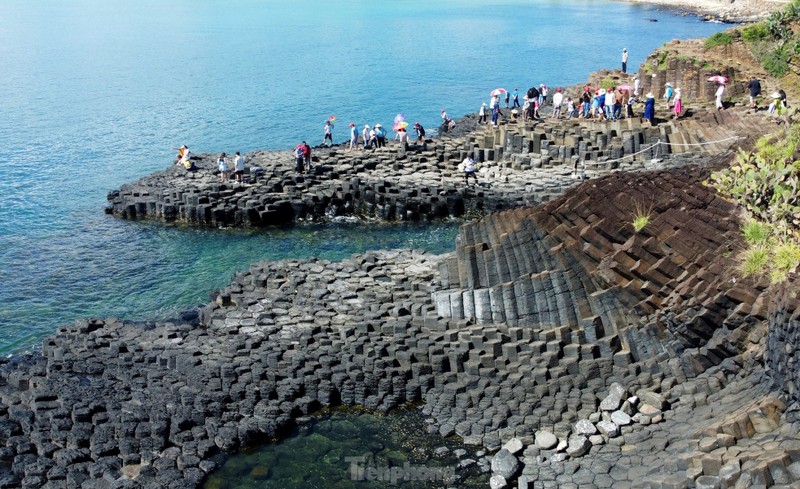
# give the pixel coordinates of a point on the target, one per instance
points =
(94, 94)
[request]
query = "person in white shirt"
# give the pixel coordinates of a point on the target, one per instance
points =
(558, 98)
(624, 60)
(238, 167)
(327, 134)
(469, 170)
(719, 94)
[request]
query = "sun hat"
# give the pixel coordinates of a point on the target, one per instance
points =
(559, 89)
(366, 126)
(668, 84)
(624, 49)
(775, 95)
(649, 95)
(442, 110)
(352, 125)
(602, 91)
(378, 125)
(485, 103)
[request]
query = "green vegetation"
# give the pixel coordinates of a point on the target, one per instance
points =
(607, 83)
(773, 41)
(718, 39)
(767, 184)
(641, 217)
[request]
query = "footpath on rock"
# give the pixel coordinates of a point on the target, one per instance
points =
(586, 353)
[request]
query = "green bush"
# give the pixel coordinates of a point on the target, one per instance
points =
(718, 39)
(755, 32)
(776, 62)
(755, 232)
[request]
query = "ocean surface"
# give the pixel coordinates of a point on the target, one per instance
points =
(94, 94)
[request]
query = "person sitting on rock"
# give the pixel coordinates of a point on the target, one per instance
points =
(469, 170)
(420, 132)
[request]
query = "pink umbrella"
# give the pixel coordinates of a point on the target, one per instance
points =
(718, 79)
(624, 87)
(497, 91)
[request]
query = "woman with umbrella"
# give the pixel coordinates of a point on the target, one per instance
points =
(720, 81)
(678, 107)
(649, 108)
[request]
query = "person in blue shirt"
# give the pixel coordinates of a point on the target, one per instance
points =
(516, 98)
(380, 135)
(420, 132)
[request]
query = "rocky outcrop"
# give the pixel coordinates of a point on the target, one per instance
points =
(783, 342)
(608, 354)
(520, 164)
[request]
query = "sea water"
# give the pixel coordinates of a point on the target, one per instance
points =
(94, 94)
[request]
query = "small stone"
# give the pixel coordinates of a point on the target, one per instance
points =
(649, 410)
(585, 427)
(620, 418)
(546, 440)
(514, 446)
(610, 403)
(579, 446)
(657, 419)
(608, 428)
(498, 482)
(706, 482)
(597, 440)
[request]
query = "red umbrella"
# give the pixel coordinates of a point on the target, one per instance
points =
(718, 79)
(497, 91)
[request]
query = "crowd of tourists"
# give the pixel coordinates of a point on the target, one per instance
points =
(606, 103)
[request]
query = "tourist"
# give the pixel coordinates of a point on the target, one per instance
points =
(536, 106)
(649, 108)
(571, 111)
(183, 153)
(718, 96)
(637, 85)
(784, 102)
(380, 135)
(668, 94)
(373, 138)
(677, 107)
(495, 113)
(558, 98)
(420, 132)
(365, 136)
(617, 112)
(608, 104)
(624, 60)
(307, 155)
(526, 109)
(542, 94)
(238, 167)
(755, 90)
(353, 137)
(495, 102)
(222, 164)
(508, 97)
(444, 117)
(516, 98)
(514, 115)
(482, 114)
(402, 135)
(327, 133)
(586, 100)
(299, 156)
(469, 170)
(631, 101)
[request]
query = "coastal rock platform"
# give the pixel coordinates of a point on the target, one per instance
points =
(604, 357)
(519, 164)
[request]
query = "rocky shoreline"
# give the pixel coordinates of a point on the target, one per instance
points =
(583, 352)
(729, 11)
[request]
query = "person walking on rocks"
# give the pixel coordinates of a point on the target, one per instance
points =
(495, 113)
(420, 132)
(718, 96)
(619, 97)
(677, 108)
(380, 135)
(755, 90)
(365, 136)
(469, 170)
(637, 85)
(353, 137)
(558, 98)
(238, 167)
(624, 60)
(516, 98)
(482, 114)
(649, 108)
(306, 155)
(327, 133)
(299, 158)
(508, 98)
(222, 165)
(668, 94)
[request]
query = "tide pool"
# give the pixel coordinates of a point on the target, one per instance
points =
(95, 94)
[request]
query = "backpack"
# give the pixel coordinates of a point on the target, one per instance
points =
(533, 93)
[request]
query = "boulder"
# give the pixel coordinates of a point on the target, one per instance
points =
(579, 446)
(505, 464)
(546, 440)
(608, 428)
(498, 482)
(585, 427)
(620, 418)
(514, 446)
